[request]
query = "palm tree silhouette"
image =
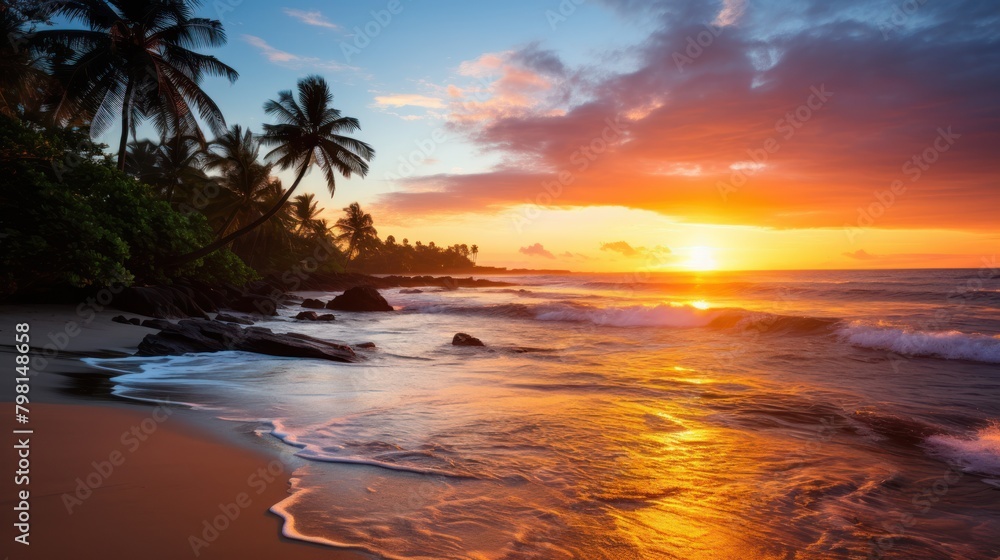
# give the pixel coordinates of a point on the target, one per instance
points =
(246, 180)
(306, 212)
(22, 77)
(135, 62)
(309, 131)
(357, 230)
(475, 253)
(176, 162)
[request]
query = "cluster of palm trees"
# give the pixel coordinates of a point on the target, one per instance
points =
(135, 62)
(367, 253)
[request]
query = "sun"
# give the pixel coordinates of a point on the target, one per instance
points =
(701, 258)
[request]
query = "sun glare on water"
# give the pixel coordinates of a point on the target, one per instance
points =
(700, 258)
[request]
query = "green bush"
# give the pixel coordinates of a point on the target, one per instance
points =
(69, 218)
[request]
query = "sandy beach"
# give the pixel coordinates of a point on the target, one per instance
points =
(112, 479)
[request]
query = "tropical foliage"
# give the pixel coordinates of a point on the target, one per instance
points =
(135, 62)
(176, 205)
(367, 253)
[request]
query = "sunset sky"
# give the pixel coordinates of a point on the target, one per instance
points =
(620, 134)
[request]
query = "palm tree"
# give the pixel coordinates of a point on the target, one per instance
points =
(306, 212)
(21, 75)
(142, 161)
(308, 132)
(175, 162)
(357, 230)
(475, 253)
(135, 61)
(246, 180)
(181, 162)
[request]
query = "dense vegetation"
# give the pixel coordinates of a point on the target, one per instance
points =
(178, 206)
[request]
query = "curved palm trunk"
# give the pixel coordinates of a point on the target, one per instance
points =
(126, 113)
(220, 243)
(229, 221)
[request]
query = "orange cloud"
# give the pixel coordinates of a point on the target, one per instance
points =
(536, 250)
(820, 136)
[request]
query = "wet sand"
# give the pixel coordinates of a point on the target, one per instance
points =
(112, 479)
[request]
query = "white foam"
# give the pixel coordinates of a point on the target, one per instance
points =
(634, 316)
(979, 453)
(951, 345)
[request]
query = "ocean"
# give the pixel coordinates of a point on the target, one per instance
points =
(806, 415)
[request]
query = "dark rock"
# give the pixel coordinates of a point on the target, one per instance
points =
(158, 324)
(198, 335)
(121, 319)
(462, 339)
(209, 298)
(312, 316)
(313, 304)
(367, 345)
(158, 301)
(189, 301)
(252, 303)
(360, 298)
(135, 321)
(411, 291)
(233, 319)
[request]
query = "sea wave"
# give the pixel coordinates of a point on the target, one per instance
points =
(373, 453)
(978, 453)
(662, 315)
(771, 323)
(669, 315)
(949, 345)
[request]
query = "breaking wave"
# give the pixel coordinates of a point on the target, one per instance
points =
(949, 345)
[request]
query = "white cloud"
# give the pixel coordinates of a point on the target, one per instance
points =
(408, 100)
(291, 60)
(311, 18)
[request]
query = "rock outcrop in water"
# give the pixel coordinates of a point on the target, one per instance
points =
(201, 335)
(233, 319)
(360, 298)
(310, 303)
(462, 339)
(312, 316)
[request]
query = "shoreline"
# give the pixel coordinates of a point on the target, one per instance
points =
(113, 477)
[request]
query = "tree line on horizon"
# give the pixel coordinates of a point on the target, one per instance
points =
(179, 206)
